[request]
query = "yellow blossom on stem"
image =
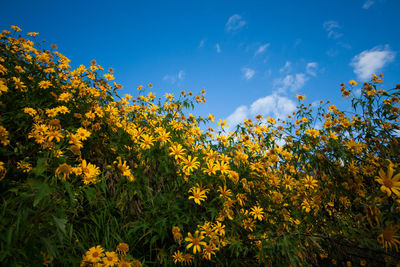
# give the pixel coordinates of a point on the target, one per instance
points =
(95, 254)
(389, 182)
(195, 242)
(257, 213)
(198, 194)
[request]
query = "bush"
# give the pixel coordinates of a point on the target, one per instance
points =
(89, 177)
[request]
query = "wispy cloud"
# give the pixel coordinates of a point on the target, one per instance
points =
(371, 61)
(331, 26)
(235, 23)
(248, 73)
(368, 4)
(218, 48)
(291, 82)
(202, 42)
(261, 49)
(180, 76)
(286, 68)
(312, 68)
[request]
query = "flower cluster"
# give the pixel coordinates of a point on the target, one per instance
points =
(80, 161)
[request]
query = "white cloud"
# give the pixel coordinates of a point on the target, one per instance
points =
(234, 23)
(237, 117)
(180, 76)
(368, 4)
(248, 73)
(274, 105)
(344, 45)
(290, 82)
(286, 68)
(331, 26)
(371, 61)
(202, 42)
(261, 49)
(311, 68)
(218, 47)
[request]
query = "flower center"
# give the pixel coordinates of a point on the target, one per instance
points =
(388, 183)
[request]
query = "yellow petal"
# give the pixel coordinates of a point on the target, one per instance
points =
(382, 174)
(390, 172)
(396, 177)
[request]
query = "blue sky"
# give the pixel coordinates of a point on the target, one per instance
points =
(251, 57)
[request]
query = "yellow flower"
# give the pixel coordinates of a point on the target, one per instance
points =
(312, 132)
(222, 166)
(33, 34)
(124, 169)
(90, 172)
(176, 232)
(32, 112)
(65, 170)
(177, 151)
(26, 167)
(54, 135)
(82, 134)
(195, 241)
(211, 117)
(65, 97)
(288, 182)
(211, 168)
(3, 170)
(190, 164)
(198, 194)
(3, 86)
(389, 184)
(257, 212)
(122, 248)
(352, 82)
(19, 84)
(109, 77)
(45, 84)
(224, 192)
(110, 259)
(219, 229)
(178, 257)
(16, 28)
(146, 141)
(136, 263)
(305, 205)
(271, 120)
(310, 182)
(4, 136)
(94, 254)
(223, 123)
(300, 97)
(389, 237)
(208, 251)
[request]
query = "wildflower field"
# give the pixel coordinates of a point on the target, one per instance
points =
(92, 178)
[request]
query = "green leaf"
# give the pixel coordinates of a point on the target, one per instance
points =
(60, 223)
(42, 190)
(41, 166)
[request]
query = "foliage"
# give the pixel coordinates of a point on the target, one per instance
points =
(84, 171)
